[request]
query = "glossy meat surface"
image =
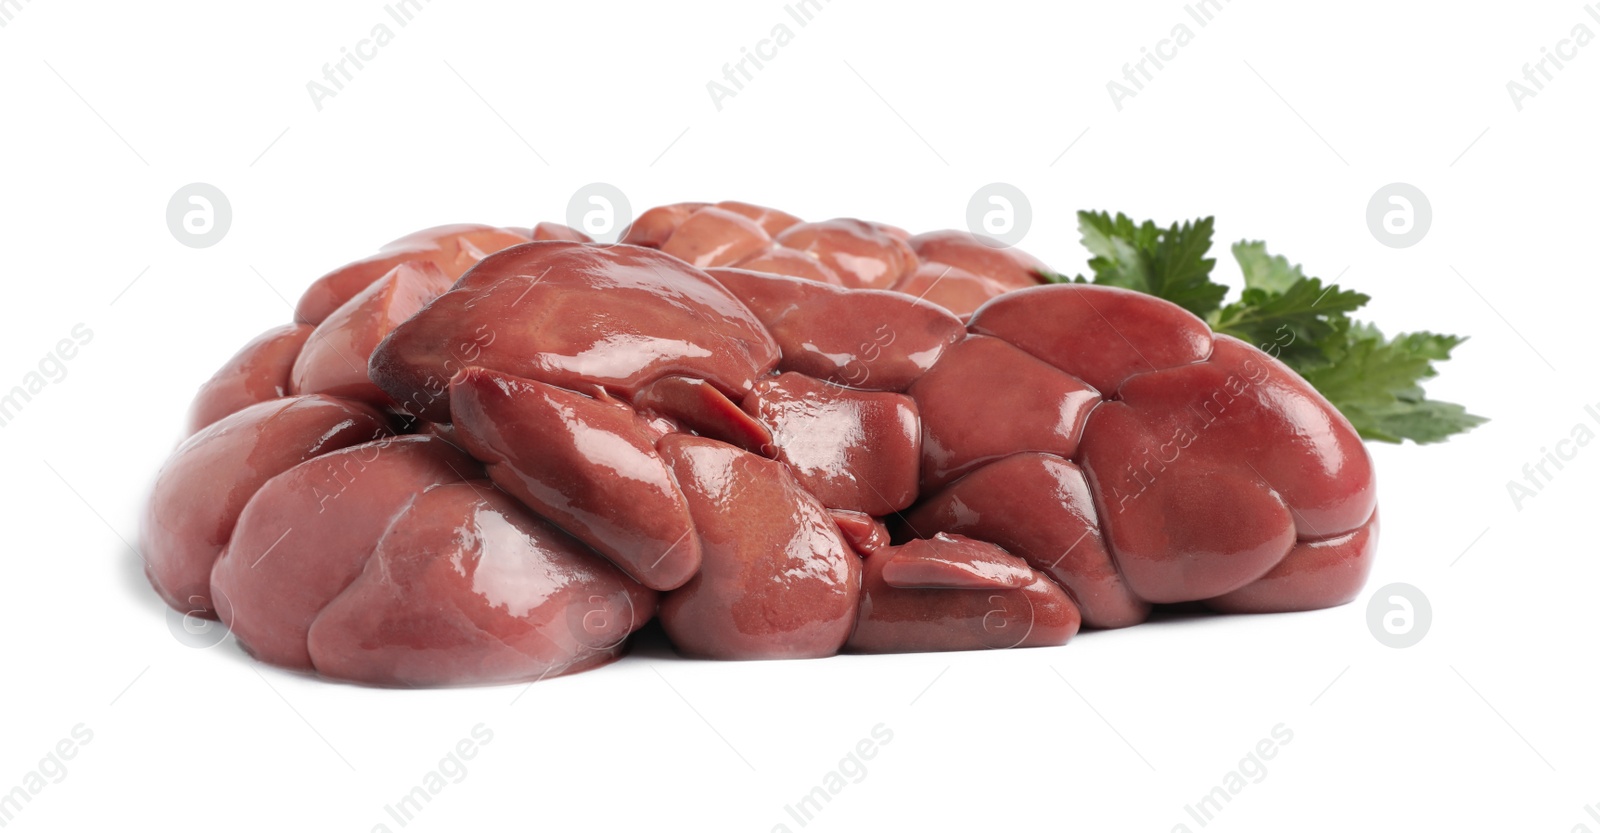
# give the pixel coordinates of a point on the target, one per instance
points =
(777, 581)
(453, 249)
(590, 466)
(307, 533)
(207, 482)
(852, 449)
(334, 359)
(485, 455)
(467, 587)
(576, 316)
(257, 373)
(949, 593)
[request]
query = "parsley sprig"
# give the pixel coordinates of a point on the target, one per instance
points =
(1375, 381)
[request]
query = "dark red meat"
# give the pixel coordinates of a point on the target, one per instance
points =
(487, 455)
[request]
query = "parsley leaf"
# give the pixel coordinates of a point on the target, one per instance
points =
(1376, 382)
(1281, 308)
(1057, 277)
(1273, 273)
(1168, 263)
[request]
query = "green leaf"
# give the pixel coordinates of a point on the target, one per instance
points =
(1281, 310)
(1168, 263)
(1273, 273)
(1423, 421)
(1058, 277)
(1376, 383)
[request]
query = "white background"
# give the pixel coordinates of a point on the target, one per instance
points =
(1281, 119)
